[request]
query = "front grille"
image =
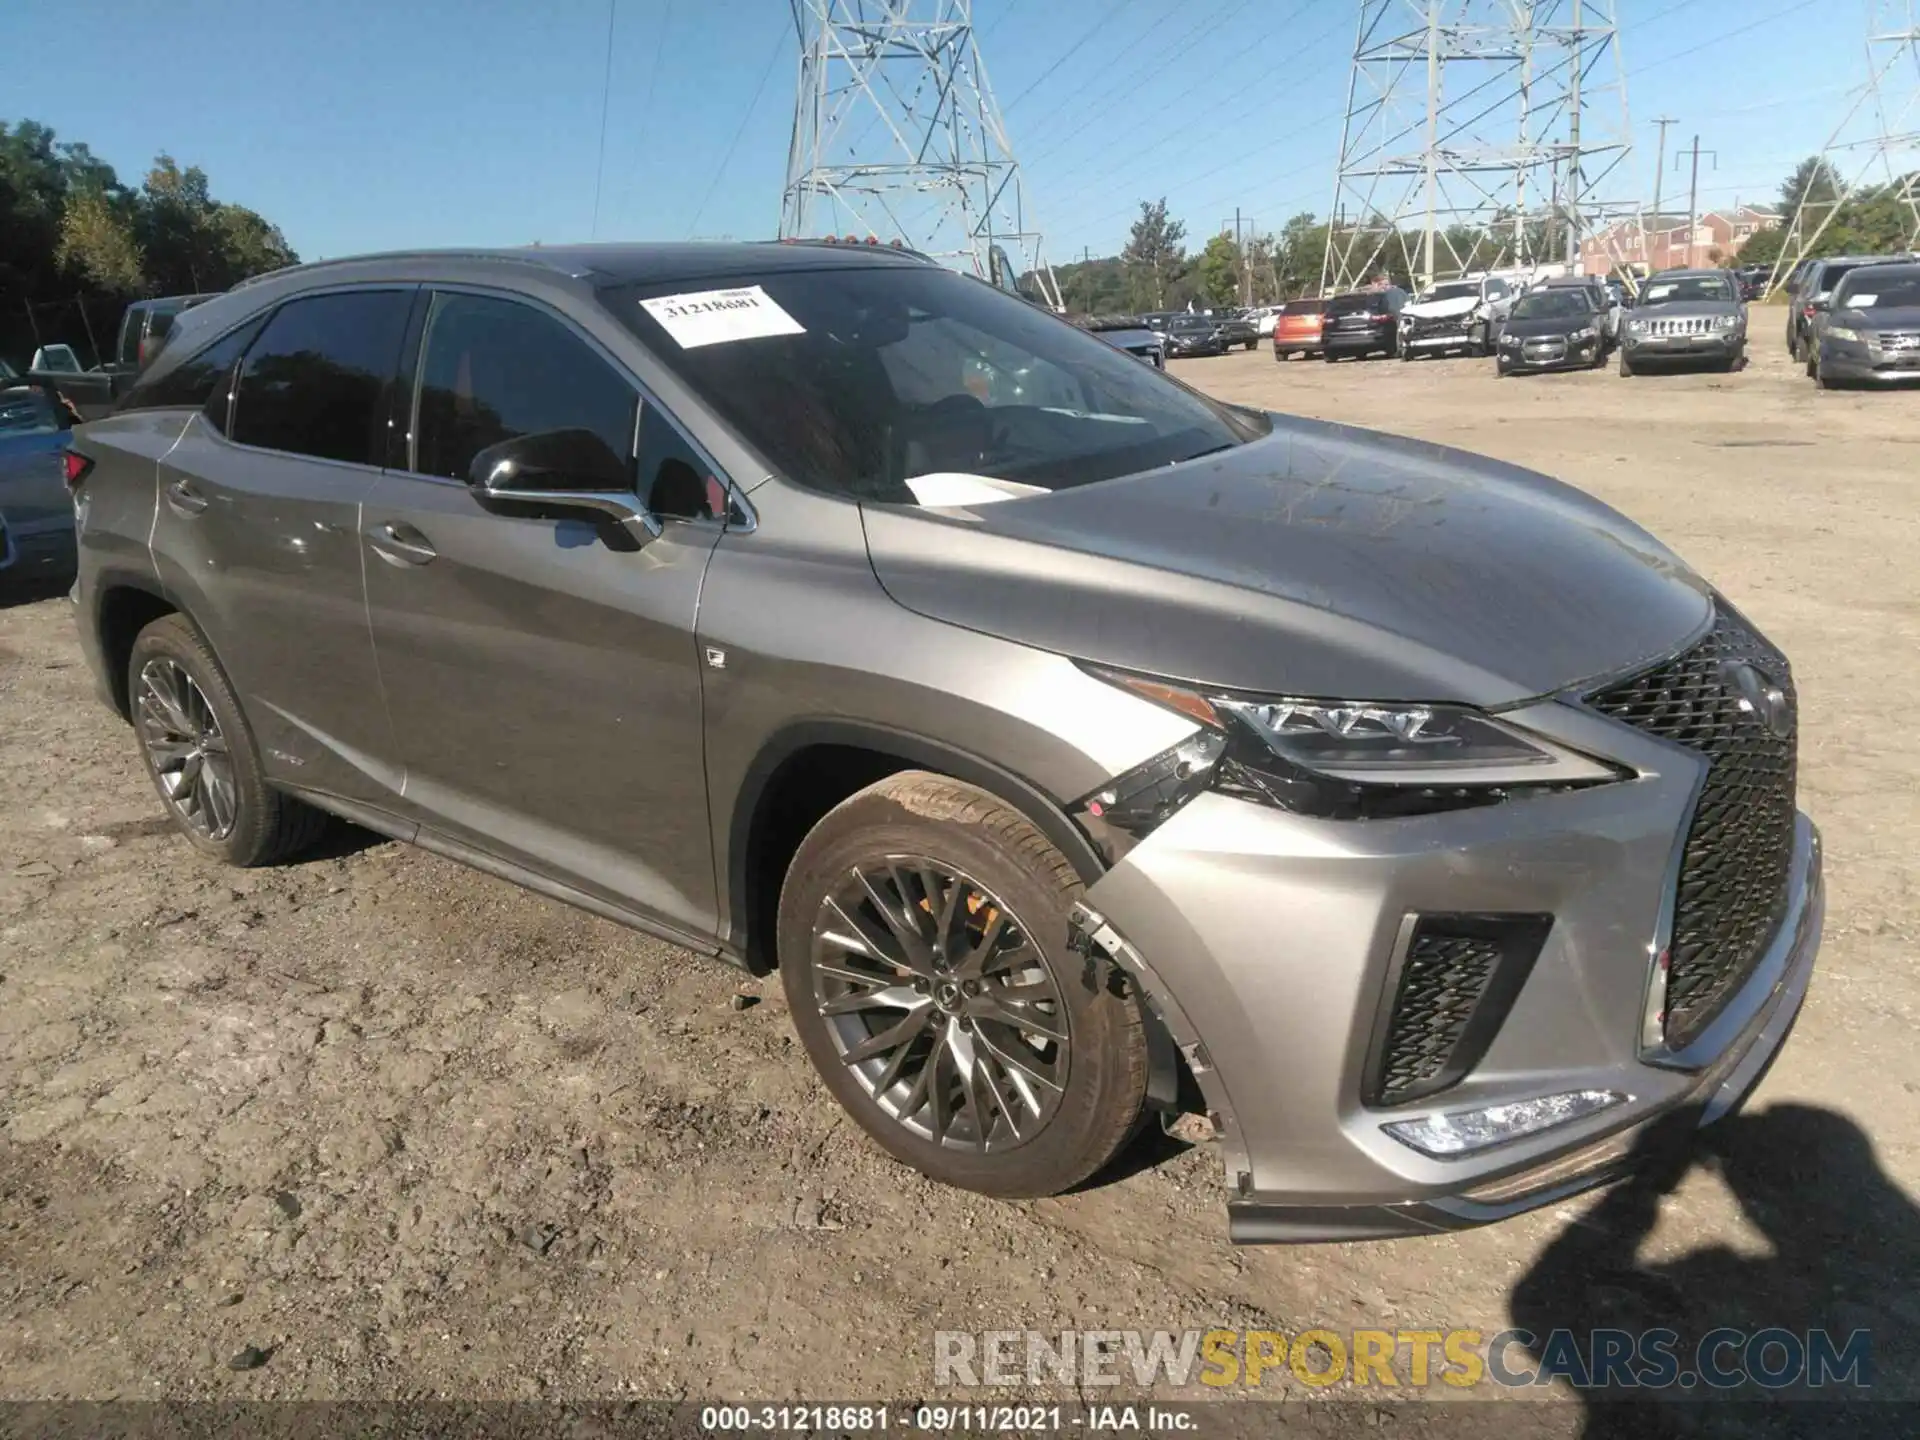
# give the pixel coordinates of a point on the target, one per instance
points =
(1899, 340)
(1440, 325)
(1687, 325)
(1457, 980)
(1731, 894)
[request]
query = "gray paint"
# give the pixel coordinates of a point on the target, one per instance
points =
(535, 701)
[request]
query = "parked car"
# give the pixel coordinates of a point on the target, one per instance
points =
(1870, 334)
(1129, 334)
(1815, 294)
(1263, 317)
(1296, 329)
(1236, 329)
(1187, 336)
(1685, 315)
(94, 392)
(1461, 316)
(1598, 296)
(1552, 328)
(37, 514)
(717, 590)
(1362, 323)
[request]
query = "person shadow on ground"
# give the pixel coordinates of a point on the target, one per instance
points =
(1842, 1256)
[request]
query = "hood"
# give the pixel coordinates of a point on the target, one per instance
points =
(1440, 309)
(1685, 309)
(1892, 317)
(1322, 560)
(1551, 324)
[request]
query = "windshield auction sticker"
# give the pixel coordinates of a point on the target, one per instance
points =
(718, 317)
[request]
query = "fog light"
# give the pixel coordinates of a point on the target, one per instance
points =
(1446, 1137)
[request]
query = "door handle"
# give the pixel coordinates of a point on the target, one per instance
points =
(400, 545)
(184, 499)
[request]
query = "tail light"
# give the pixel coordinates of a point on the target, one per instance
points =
(78, 468)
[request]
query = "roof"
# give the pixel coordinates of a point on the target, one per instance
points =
(637, 263)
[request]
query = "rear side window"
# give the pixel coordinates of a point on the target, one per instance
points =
(494, 369)
(191, 383)
(314, 381)
(131, 325)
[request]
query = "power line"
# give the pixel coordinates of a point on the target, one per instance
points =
(1104, 23)
(606, 93)
(766, 73)
(994, 24)
(1725, 35)
(1064, 101)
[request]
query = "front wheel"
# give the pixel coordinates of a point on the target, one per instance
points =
(923, 945)
(200, 753)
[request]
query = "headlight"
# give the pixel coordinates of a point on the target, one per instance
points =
(1512, 341)
(1841, 332)
(1636, 327)
(1585, 332)
(1726, 322)
(1331, 759)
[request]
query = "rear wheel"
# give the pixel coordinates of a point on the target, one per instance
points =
(924, 951)
(200, 753)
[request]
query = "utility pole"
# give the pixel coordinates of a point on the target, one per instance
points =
(1576, 181)
(1659, 174)
(1240, 252)
(1693, 193)
(1432, 155)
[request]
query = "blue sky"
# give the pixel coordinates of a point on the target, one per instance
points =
(369, 124)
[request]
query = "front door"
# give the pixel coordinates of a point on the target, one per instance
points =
(257, 534)
(542, 674)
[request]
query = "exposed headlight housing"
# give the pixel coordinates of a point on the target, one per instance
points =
(1345, 760)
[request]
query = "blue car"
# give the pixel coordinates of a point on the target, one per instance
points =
(36, 515)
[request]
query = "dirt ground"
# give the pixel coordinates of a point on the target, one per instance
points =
(407, 1131)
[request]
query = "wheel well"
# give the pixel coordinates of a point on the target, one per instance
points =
(124, 613)
(807, 784)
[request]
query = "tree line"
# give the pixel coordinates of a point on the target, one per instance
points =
(1156, 271)
(77, 243)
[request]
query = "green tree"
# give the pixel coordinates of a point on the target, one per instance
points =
(1154, 255)
(1219, 269)
(97, 241)
(1812, 181)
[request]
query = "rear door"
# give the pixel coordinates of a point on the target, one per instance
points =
(542, 673)
(258, 535)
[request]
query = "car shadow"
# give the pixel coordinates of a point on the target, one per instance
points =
(29, 587)
(340, 839)
(1843, 1248)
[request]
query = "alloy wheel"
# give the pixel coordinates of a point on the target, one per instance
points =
(938, 1000)
(186, 748)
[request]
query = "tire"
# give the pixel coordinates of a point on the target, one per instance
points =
(965, 837)
(236, 817)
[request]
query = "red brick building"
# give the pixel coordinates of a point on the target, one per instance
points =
(1664, 245)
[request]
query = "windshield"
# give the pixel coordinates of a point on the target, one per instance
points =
(1553, 305)
(1356, 304)
(1875, 289)
(1459, 290)
(1684, 288)
(1193, 322)
(856, 381)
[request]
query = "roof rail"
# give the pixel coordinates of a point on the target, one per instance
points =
(512, 257)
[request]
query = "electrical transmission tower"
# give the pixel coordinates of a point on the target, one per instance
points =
(896, 135)
(1478, 133)
(1874, 152)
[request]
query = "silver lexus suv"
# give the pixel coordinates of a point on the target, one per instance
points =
(1075, 746)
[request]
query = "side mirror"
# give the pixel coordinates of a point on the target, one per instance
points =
(561, 472)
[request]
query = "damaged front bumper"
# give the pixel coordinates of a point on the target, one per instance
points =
(1270, 1004)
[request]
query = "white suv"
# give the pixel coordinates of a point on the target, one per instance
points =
(1464, 315)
